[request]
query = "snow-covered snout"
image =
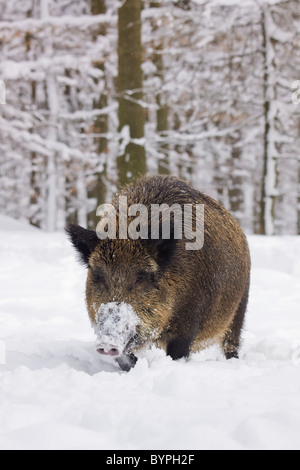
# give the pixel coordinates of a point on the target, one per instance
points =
(115, 328)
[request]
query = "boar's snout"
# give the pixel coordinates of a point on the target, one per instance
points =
(108, 350)
(115, 328)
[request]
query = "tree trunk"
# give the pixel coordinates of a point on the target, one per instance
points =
(267, 203)
(163, 109)
(98, 189)
(53, 106)
(298, 209)
(35, 178)
(132, 161)
(98, 7)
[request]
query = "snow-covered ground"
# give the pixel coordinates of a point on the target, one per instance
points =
(55, 393)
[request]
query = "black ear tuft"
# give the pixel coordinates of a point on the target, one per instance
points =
(163, 248)
(85, 241)
(164, 251)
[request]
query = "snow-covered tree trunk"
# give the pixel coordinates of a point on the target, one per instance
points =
(98, 186)
(162, 114)
(2, 92)
(270, 155)
(52, 135)
(82, 212)
(298, 206)
(51, 205)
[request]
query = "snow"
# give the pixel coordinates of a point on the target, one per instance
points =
(56, 393)
(9, 224)
(84, 21)
(253, 3)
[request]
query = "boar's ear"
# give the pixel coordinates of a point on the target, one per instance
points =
(163, 251)
(85, 241)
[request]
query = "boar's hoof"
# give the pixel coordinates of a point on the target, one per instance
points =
(231, 355)
(127, 362)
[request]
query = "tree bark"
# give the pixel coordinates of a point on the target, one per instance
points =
(53, 107)
(132, 161)
(267, 203)
(163, 109)
(98, 189)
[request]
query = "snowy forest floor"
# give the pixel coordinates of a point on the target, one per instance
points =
(55, 393)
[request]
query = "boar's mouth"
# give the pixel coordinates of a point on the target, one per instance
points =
(131, 343)
(126, 362)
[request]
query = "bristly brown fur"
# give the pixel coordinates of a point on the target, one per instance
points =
(187, 299)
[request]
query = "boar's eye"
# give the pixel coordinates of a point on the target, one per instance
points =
(138, 280)
(98, 277)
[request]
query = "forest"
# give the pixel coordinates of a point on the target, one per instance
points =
(98, 92)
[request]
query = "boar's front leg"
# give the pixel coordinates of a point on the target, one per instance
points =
(179, 347)
(183, 330)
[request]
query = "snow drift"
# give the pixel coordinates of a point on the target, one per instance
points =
(56, 393)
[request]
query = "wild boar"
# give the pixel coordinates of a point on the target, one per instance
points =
(143, 290)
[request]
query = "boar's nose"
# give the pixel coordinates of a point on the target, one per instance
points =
(108, 351)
